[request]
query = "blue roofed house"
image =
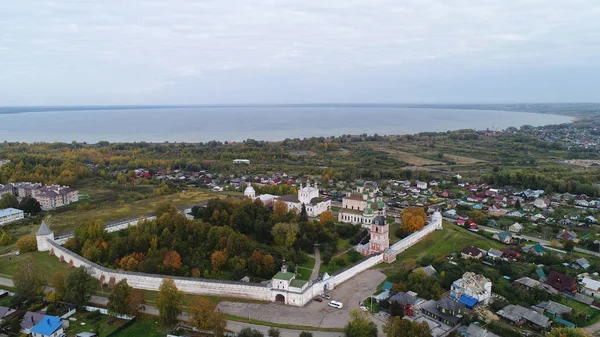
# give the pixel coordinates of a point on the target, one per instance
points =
(49, 326)
(505, 237)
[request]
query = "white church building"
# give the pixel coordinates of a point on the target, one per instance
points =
(307, 196)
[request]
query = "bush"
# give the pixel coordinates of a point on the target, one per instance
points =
(27, 244)
(340, 261)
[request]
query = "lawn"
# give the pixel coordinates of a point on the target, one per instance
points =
(325, 268)
(47, 264)
(116, 210)
(148, 327)
(102, 324)
(305, 269)
(452, 239)
(592, 313)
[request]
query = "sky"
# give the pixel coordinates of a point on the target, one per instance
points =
(103, 52)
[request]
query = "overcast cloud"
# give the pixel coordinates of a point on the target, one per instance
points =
(265, 51)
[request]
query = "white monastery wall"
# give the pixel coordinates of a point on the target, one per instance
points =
(152, 282)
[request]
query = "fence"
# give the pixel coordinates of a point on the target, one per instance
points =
(69, 314)
(122, 327)
(104, 311)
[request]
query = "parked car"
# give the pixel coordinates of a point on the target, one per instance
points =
(325, 296)
(336, 304)
(363, 308)
(17, 253)
(318, 299)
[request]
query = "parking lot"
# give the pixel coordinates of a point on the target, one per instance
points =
(317, 314)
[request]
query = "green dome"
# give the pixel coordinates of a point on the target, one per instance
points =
(380, 204)
(368, 211)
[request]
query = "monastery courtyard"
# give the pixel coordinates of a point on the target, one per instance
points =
(317, 314)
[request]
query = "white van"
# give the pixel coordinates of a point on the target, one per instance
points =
(336, 304)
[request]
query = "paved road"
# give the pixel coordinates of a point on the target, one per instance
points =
(315, 271)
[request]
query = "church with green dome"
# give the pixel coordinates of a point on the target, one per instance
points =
(361, 207)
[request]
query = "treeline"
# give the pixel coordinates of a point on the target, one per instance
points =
(231, 239)
(550, 180)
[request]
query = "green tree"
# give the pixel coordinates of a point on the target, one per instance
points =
(398, 327)
(59, 284)
(163, 208)
(30, 205)
(168, 301)
(8, 201)
(118, 299)
(249, 332)
(29, 280)
(5, 239)
(285, 233)
(274, 332)
(79, 286)
(360, 325)
(567, 332)
(306, 334)
(26, 244)
(303, 214)
(569, 245)
(204, 317)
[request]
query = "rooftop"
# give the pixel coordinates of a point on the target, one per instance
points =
(284, 276)
(9, 211)
(47, 326)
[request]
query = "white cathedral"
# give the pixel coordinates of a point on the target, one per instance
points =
(307, 196)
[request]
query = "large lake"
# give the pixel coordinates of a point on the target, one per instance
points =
(198, 124)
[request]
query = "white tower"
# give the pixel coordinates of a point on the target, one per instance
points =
(249, 192)
(42, 236)
(436, 220)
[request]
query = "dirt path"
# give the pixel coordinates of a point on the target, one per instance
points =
(315, 271)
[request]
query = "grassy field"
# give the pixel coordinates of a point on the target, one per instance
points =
(325, 267)
(102, 323)
(305, 269)
(148, 327)
(48, 264)
(452, 239)
(593, 314)
(117, 210)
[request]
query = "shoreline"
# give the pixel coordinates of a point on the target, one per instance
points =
(277, 135)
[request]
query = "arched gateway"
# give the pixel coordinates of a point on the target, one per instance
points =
(280, 298)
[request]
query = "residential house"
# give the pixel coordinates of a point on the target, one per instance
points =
(471, 286)
(536, 249)
(406, 301)
(510, 254)
(529, 284)
(8, 215)
(445, 310)
(574, 216)
(515, 213)
(495, 253)
(590, 287)
(581, 263)
(30, 320)
(519, 315)
(561, 282)
(537, 217)
(422, 185)
(582, 203)
(567, 236)
(541, 203)
(516, 228)
(471, 253)
(475, 331)
(505, 237)
(590, 219)
(49, 326)
(552, 309)
(429, 270)
(6, 313)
